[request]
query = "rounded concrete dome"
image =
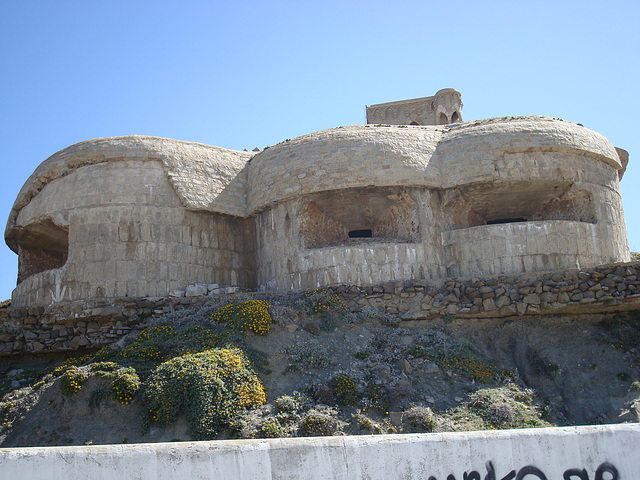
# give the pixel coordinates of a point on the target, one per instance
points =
(343, 158)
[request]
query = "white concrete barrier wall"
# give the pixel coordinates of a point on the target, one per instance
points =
(604, 452)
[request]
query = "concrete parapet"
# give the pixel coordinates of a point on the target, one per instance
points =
(603, 452)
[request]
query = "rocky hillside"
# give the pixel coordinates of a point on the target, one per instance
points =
(303, 364)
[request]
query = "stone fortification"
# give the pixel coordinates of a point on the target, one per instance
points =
(362, 205)
(96, 322)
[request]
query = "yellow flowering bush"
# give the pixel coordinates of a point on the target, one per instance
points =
(71, 381)
(211, 388)
(250, 315)
(125, 385)
(344, 388)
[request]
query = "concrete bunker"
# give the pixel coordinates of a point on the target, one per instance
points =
(359, 204)
(519, 201)
(42, 245)
(359, 215)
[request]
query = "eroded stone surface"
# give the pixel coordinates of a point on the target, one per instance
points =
(144, 216)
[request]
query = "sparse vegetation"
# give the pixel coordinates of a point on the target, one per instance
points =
(419, 419)
(321, 422)
(353, 369)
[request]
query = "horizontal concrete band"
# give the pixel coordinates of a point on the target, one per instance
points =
(592, 452)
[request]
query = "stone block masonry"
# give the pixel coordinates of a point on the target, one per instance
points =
(94, 323)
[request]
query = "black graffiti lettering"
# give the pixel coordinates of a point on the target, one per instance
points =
(491, 473)
(606, 467)
(574, 472)
(569, 474)
(530, 470)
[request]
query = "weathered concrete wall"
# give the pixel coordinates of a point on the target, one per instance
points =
(140, 216)
(129, 235)
(521, 247)
(444, 107)
(295, 252)
(605, 452)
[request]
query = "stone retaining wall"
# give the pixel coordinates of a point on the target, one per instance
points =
(603, 289)
(97, 322)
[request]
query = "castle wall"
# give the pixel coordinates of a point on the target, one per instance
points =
(129, 235)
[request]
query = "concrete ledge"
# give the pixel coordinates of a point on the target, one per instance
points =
(604, 452)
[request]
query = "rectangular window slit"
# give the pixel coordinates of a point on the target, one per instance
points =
(366, 233)
(506, 220)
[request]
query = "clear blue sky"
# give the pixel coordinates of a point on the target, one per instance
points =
(240, 74)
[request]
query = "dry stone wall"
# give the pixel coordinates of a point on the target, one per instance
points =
(97, 322)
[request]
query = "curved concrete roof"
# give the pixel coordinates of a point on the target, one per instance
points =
(199, 173)
(231, 182)
(344, 157)
(410, 155)
(534, 133)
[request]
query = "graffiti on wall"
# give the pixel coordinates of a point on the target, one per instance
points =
(605, 471)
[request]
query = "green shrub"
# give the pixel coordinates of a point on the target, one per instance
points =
(419, 419)
(365, 423)
(320, 423)
(290, 403)
(104, 366)
(211, 388)
(462, 359)
(270, 428)
(71, 381)
(250, 315)
(321, 300)
(308, 355)
(506, 407)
